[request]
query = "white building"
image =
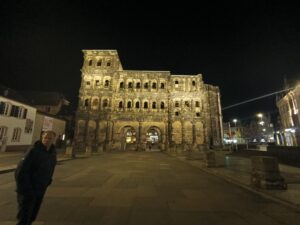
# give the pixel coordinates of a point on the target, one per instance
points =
(16, 121)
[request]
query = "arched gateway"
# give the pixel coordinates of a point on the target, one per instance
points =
(129, 139)
(154, 138)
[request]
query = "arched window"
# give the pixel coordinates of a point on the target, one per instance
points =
(145, 105)
(138, 85)
(95, 102)
(198, 114)
(187, 103)
(122, 85)
(130, 85)
(106, 83)
(145, 85)
(121, 105)
(129, 105)
(105, 103)
(194, 83)
(137, 105)
(99, 62)
(97, 82)
(162, 105)
(108, 63)
(86, 102)
(197, 104)
(153, 105)
(90, 62)
(153, 85)
(176, 82)
(176, 104)
(162, 86)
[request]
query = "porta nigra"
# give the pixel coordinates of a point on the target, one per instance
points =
(143, 110)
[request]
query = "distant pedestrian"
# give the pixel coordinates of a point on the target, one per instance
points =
(33, 175)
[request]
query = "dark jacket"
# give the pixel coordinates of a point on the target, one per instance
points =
(34, 172)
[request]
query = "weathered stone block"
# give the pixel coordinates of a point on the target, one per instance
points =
(265, 173)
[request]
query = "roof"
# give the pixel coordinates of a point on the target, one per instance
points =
(13, 94)
(44, 97)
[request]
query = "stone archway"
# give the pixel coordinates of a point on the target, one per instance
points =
(154, 138)
(129, 138)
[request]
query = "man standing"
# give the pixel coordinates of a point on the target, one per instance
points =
(33, 175)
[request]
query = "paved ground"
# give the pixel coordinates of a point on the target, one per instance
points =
(144, 188)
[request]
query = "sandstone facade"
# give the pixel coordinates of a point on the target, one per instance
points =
(143, 110)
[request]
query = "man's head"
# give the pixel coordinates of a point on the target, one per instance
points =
(48, 138)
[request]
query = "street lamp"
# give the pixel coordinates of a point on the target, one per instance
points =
(235, 128)
(235, 121)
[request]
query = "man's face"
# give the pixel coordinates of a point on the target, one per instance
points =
(48, 139)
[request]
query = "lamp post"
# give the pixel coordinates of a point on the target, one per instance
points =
(235, 129)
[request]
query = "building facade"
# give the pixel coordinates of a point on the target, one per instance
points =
(17, 120)
(139, 110)
(288, 107)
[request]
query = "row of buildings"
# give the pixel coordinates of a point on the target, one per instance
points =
(25, 115)
(132, 110)
(283, 130)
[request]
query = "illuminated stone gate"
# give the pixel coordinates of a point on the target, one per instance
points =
(133, 109)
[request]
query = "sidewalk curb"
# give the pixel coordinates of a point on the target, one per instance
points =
(233, 181)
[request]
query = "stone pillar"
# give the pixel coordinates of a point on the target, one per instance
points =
(140, 142)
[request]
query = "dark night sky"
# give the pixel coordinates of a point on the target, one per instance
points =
(244, 48)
